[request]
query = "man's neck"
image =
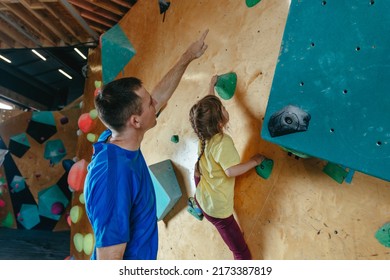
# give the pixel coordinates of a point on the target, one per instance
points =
(128, 140)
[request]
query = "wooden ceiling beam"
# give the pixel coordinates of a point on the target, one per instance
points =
(95, 10)
(98, 29)
(28, 18)
(110, 6)
(123, 3)
(48, 23)
(64, 24)
(53, 23)
(94, 18)
(16, 36)
(19, 34)
(8, 41)
(78, 18)
(97, 26)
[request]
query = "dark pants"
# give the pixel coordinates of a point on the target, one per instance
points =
(231, 234)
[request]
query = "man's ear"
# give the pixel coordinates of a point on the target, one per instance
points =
(134, 121)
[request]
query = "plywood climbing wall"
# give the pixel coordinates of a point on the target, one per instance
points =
(299, 212)
(33, 181)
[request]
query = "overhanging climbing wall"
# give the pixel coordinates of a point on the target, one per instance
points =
(334, 65)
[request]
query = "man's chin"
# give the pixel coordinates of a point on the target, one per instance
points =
(154, 124)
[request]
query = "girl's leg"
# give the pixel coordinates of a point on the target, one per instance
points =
(231, 235)
(197, 180)
(237, 220)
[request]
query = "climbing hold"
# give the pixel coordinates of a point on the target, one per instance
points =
(8, 221)
(86, 123)
(88, 243)
(383, 235)
(78, 240)
(98, 84)
(57, 208)
(76, 212)
(251, 3)
(81, 198)
(335, 171)
(264, 169)
(164, 5)
(64, 120)
(288, 120)
(77, 174)
(93, 114)
(175, 138)
(116, 52)
(226, 85)
(97, 91)
(92, 137)
(54, 151)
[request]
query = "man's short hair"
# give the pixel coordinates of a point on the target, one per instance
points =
(118, 101)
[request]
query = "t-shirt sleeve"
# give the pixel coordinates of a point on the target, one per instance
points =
(226, 153)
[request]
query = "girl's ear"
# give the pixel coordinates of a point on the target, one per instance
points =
(134, 121)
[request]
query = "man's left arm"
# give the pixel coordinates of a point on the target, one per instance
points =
(168, 84)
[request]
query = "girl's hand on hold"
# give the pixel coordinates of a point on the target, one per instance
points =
(258, 158)
(212, 84)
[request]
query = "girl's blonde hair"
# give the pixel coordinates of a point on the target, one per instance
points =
(207, 119)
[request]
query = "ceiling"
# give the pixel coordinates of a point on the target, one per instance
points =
(53, 28)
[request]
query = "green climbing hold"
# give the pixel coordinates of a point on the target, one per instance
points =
(8, 221)
(251, 3)
(295, 153)
(383, 235)
(93, 114)
(335, 171)
(98, 84)
(175, 138)
(226, 85)
(264, 169)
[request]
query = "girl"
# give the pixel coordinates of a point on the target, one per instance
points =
(216, 168)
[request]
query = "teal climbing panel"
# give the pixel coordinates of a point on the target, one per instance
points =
(334, 64)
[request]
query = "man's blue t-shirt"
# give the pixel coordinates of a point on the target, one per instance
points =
(120, 200)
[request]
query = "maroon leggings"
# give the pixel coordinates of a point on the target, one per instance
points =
(231, 234)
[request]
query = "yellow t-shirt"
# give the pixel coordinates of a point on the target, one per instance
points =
(215, 191)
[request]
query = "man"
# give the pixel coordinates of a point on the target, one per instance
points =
(119, 194)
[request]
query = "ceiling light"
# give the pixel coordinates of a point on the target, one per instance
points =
(5, 106)
(39, 55)
(80, 53)
(5, 59)
(65, 74)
